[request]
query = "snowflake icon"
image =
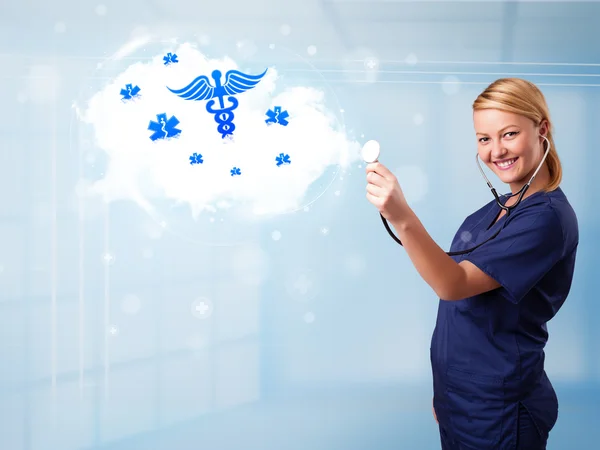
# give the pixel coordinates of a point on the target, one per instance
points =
(282, 159)
(170, 58)
(130, 92)
(235, 171)
(276, 115)
(164, 128)
(196, 158)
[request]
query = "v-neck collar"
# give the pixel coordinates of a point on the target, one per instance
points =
(495, 220)
(495, 208)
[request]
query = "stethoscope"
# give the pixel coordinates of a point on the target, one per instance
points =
(370, 154)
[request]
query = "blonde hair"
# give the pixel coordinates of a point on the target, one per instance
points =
(518, 96)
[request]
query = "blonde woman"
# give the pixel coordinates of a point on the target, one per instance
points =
(508, 273)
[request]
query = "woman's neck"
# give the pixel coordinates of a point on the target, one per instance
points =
(542, 179)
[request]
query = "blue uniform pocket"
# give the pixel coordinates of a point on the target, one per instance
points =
(529, 436)
(476, 407)
(479, 303)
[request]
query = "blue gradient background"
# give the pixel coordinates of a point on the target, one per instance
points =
(260, 373)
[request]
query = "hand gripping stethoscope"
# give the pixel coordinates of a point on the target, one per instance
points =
(370, 154)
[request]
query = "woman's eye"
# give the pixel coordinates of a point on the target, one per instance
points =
(511, 133)
(482, 139)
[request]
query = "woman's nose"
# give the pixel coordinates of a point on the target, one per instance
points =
(498, 150)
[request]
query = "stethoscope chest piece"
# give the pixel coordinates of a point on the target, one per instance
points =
(370, 151)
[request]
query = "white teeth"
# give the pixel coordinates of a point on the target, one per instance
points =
(507, 163)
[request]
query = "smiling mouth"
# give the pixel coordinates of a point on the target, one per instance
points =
(505, 164)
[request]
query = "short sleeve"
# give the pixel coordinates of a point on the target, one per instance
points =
(528, 246)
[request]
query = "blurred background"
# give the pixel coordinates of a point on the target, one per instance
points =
(310, 330)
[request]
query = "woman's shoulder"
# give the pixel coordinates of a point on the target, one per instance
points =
(554, 204)
(565, 213)
(552, 211)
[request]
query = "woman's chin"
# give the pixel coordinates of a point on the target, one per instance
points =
(509, 176)
(513, 180)
(506, 178)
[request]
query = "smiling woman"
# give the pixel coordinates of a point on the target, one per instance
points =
(511, 133)
(499, 287)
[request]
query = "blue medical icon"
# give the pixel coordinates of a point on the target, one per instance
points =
(170, 58)
(164, 128)
(276, 115)
(236, 82)
(283, 159)
(130, 92)
(196, 158)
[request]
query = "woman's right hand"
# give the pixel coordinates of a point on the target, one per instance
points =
(433, 409)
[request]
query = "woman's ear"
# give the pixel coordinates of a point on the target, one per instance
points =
(544, 127)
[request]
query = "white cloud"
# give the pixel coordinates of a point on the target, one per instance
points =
(147, 171)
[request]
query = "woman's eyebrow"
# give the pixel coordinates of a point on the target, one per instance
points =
(507, 126)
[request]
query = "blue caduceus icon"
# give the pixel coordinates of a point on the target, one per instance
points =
(236, 82)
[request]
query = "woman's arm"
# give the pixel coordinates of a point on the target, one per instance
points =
(449, 280)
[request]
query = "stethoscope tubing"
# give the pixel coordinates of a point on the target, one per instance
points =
(507, 209)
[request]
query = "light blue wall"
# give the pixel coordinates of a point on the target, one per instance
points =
(319, 336)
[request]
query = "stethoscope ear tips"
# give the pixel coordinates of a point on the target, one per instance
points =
(370, 151)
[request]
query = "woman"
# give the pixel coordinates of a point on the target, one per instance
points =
(487, 349)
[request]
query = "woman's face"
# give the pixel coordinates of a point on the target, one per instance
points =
(509, 144)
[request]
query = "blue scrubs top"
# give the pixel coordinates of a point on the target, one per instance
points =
(487, 351)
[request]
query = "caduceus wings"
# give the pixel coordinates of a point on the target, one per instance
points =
(236, 82)
(199, 89)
